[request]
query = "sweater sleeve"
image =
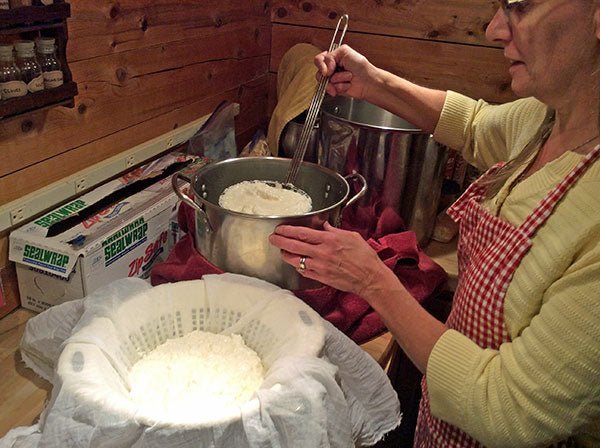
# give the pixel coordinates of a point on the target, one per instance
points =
(540, 387)
(484, 133)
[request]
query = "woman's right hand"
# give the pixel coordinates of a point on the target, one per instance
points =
(351, 74)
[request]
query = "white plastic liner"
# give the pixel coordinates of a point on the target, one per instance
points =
(320, 389)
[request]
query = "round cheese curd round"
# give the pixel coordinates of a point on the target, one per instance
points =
(195, 377)
(264, 198)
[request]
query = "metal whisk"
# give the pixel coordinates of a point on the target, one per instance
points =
(314, 108)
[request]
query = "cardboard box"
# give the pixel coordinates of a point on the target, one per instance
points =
(99, 237)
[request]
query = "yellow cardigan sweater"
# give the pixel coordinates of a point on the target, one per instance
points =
(545, 384)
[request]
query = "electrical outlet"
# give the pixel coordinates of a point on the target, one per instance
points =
(130, 161)
(80, 184)
(170, 143)
(17, 215)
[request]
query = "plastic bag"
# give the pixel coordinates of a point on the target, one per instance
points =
(257, 147)
(216, 138)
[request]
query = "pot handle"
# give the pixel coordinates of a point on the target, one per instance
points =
(188, 200)
(362, 191)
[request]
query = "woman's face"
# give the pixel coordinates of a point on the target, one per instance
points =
(551, 44)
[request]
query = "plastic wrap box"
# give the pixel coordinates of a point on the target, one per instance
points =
(120, 229)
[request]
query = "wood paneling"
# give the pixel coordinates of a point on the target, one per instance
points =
(460, 21)
(119, 91)
(36, 176)
(107, 27)
(144, 67)
(480, 72)
(437, 43)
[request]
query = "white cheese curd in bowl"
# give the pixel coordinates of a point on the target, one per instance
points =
(195, 377)
(256, 197)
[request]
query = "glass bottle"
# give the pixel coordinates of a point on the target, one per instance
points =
(30, 69)
(11, 82)
(51, 70)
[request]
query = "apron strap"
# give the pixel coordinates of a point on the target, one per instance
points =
(547, 205)
(475, 190)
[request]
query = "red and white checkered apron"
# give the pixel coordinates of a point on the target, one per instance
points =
(489, 252)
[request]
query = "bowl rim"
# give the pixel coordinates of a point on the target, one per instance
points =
(212, 166)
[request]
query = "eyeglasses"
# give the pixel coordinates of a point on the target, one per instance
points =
(513, 8)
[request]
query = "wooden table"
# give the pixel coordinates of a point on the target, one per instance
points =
(23, 394)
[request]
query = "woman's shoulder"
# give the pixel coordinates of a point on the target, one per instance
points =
(523, 115)
(522, 119)
(529, 112)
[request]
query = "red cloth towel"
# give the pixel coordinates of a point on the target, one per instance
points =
(348, 312)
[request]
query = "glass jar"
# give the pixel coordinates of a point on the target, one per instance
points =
(30, 69)
(51, 70)
(11, 81)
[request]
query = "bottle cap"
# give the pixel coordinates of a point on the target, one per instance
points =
(45, 44)
(6, 50)
(24, 46)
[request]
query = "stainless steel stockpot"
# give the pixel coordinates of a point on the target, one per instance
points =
(403, 165)
(291, 134)
(239, 242)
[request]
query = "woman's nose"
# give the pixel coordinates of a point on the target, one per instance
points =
(499, 29)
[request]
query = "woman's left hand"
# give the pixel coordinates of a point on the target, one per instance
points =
(334, 257)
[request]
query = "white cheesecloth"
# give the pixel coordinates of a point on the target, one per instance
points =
(320, 388)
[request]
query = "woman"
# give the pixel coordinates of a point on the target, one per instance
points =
(518, 361)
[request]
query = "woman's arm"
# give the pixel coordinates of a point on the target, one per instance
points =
(537, 389)
(358, 78)
(345, 261)
(483, 133)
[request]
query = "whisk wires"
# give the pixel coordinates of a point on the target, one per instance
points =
(315, 106)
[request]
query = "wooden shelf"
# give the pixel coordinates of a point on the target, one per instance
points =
(13, 19)
(59, 96)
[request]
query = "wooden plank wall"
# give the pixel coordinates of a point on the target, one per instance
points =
(143, 67)
(437, 43)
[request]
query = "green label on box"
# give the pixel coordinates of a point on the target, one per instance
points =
(124, 240)
(45, 258)
(61, 213)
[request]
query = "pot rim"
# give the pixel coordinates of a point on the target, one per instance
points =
(324, 111)
(321, 168)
